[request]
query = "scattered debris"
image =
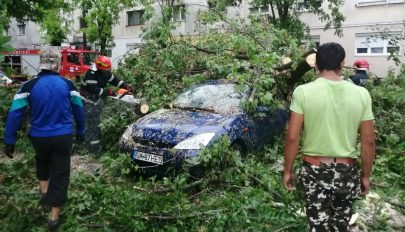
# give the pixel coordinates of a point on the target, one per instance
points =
(396, 219)
(354, 218)
(373, 207)
(86, 165)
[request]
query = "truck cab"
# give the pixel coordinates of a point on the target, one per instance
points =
(25, 62)
(75, 62)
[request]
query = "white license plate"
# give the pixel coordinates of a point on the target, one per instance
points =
(156, 159)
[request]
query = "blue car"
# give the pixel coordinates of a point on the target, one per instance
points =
(196, 119)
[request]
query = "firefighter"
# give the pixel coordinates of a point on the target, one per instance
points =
(93, 90)
(361, 77)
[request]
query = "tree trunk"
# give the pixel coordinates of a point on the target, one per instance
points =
(84, 13)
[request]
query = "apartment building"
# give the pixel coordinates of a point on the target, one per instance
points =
(24, 35)
(364, 20)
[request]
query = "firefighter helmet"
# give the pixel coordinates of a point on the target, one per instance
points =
(361, 65)
(103, 63)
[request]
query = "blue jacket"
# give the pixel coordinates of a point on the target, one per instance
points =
(53, 101)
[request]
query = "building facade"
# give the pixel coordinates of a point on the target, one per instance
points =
(24, 35)
(365, 20)
(369, 29)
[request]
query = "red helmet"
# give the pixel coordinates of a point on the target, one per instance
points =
(103, 63)
(361, 65)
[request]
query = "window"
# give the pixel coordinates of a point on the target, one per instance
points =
(73, 58)
(88, 57)
(108, 52)
(311, 43)
(179, 13)
(135, 17)
(377, 2)
(303, 5)
(376, 44)
(21, 28)
(260, 10)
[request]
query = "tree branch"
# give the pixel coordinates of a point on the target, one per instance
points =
(233, 28)
(286, 227)
(169, 189)
(170, 217)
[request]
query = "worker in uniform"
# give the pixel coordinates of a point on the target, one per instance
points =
(361, 77)
(93, 90)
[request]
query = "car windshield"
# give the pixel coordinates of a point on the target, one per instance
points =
(88, 57)
(218, 98)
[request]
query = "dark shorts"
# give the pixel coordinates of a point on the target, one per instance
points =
(329, 191)
(53, 164)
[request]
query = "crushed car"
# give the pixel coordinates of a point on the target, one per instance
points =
(196, 119)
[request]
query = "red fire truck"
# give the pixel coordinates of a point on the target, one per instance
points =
(25, 63)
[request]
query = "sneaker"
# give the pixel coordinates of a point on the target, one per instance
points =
(53, 225)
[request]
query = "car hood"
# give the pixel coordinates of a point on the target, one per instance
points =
(171, 126)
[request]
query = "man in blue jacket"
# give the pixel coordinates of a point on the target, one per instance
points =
(53, 102)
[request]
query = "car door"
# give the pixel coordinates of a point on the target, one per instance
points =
(268, 123)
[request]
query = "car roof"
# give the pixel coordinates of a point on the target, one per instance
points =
(217, 82)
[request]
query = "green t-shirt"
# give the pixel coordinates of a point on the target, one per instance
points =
(333, 111)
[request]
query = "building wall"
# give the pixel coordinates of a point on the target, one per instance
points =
(360, 17)
(30, 40)
(364, 19)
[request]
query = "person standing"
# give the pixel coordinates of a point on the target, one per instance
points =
(53, 101)
(330, 111)
(92, 91)
(361, 77)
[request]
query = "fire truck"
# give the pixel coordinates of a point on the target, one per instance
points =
(25, 63)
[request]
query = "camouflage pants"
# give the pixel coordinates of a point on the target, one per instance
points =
(93, 131)
(329, 191)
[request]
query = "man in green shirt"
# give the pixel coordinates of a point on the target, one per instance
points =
(331, 112)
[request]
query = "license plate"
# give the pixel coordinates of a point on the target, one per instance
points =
(156, 159)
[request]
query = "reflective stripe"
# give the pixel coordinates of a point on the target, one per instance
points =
(75, 98)
(90, 101)
(101, 92)
(120, 83)
(111, 78)
(74, 93)
(21, 95)
(94, 142)
(91, 81)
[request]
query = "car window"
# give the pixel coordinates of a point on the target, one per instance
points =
(220, 98)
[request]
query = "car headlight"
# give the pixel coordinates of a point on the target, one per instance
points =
(195, 142)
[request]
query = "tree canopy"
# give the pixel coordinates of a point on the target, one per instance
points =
(99, 17)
